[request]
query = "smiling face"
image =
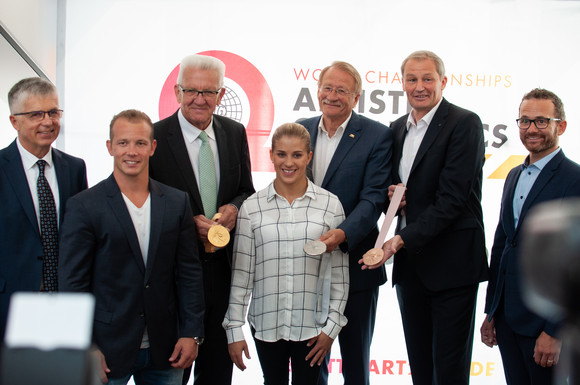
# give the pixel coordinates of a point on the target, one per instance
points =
(131, 146)
(290, 155)
(423, 85)
(198, 110)
(36, 136)
(334, 106)
(540, 142)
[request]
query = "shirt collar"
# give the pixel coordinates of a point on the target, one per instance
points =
(190, 132)
(427, 118)
(29, 160)
(540, 164)
(310, 193)
(340, 128)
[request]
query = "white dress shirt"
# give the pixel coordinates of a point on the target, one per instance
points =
(271, 266)
(415, 133)
(325, 148)
(31, 170)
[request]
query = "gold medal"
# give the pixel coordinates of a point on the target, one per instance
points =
(218, 236)
(373, 256)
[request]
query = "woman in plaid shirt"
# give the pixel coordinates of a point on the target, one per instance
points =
(298, 300)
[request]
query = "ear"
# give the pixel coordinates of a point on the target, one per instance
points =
(109, 147)
(443, 83)
(271, 156)
(14, 121)
(221, 95)
(153, 147)
(177, 93)
(356, 99)
(562, 127)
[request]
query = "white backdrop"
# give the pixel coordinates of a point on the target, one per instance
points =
(120, 54)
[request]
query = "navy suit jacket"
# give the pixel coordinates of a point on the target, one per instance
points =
(359, 174)
(560, 178)
(100, 254)
(444, 237)
(21, 248)
(171, 165)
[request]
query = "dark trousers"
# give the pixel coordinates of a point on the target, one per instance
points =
(438, 330)
(275, 356)
(517, 355)
(213, 365)
(355, 338)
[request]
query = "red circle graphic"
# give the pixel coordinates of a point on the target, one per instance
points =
(259, 96)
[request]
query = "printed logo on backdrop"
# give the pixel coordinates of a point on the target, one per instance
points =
(248, 100)
(382, 99)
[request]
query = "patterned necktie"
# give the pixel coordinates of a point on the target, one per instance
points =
(207, 177)
(48, 231)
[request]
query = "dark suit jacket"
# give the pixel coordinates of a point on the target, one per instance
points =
(100, 254)
(359, 174)
(559, 179)
(444, 237)
(171, 165)
(21, 248)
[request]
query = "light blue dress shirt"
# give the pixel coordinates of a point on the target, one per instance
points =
(526, 181)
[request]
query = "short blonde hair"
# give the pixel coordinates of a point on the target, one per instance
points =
(133, 116)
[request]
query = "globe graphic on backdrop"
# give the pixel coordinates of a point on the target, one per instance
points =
(230, 106)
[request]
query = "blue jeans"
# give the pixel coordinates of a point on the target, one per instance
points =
(144, 374)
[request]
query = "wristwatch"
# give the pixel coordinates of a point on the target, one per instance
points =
(198, 340)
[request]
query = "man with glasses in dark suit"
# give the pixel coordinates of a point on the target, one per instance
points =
(36, 181)
(528, 342)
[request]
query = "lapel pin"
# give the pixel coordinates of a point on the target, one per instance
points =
(351, 135)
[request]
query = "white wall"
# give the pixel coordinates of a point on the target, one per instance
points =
(33, 24)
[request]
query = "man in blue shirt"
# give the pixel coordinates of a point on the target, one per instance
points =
(528, 343)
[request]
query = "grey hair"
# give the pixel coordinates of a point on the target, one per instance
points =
(202, 62)
(423, 55)
(27, 87)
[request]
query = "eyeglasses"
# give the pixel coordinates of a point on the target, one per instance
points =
(37, 116)
(541, 123)
(192, 93)
(339, 91)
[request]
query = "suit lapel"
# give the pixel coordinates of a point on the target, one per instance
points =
(224, 157)
(508, 203)
(313, 131)
(17, 177)
(432, 132)
(350, 136)
(545, 176)
(179, 150)
(400, 135)
(157, 213)
(62, 171)
(119, 208)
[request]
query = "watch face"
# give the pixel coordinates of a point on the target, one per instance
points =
(198, 340)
